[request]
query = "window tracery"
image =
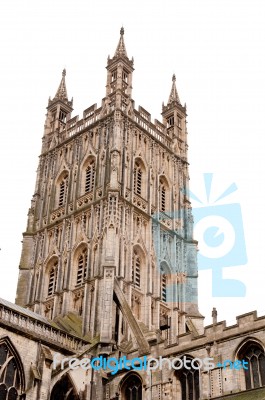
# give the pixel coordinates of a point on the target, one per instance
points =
(255, 373)
(11, 373)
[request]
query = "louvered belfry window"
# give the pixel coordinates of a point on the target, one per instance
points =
(138, 178)
(63, 190)
(82, 268)
(136, 270)
(163, 284)
(90, 177)
(52, 279)
(163, 195)
(163, 198)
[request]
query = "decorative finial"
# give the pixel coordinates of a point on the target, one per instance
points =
(173, 78)
(214, 316)
(122, 31)
(64, 72)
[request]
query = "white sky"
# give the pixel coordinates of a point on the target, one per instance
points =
(215, 48)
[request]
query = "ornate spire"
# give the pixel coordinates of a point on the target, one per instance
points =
(173, 94)
(121, 49)
(62, 91)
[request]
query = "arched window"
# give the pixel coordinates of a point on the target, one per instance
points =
(64, 390)
(52, 278)
(90, 176)
(63, 185)
(138, 178)
(81, 267)
(170, 121)
(113, 75)
(163, 195)
(163, 287)
(132, 388)
(190, 382)
(255, 373)
(136, 270)
(11, 373)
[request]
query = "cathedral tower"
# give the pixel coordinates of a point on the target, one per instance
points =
(109, 233)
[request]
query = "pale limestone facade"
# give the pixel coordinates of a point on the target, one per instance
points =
(108, 265)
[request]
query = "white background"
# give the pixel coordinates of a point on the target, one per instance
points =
(215, 48)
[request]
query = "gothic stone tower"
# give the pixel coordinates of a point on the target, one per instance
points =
(109, 233)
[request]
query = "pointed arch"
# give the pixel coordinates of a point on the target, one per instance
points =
(240, 348)
(12, 377)
(131, 387)
(140, 249)
(64, 389)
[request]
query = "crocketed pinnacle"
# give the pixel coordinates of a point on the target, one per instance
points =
(173, 94)
(121, 49)
(62, 91)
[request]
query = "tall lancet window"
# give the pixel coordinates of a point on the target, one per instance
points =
(63, 186)
(138, 178)
(81, 267)
(90, 176)
(136, 270)
(52, 278)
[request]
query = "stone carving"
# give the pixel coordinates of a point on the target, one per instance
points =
(109, 273)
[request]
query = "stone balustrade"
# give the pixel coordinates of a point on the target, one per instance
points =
(25, 320)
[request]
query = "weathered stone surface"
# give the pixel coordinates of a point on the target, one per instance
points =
(108, 265)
